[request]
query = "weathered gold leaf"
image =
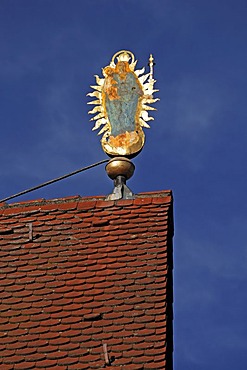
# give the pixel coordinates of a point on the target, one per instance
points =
(96, 109)
(94, 102)
(150, 100)
(96, 87)
(143, 78)
(106, 127)
(149, 86)
(95, 93)
(99, 122)
(100, 81)
(145, 116)
(143, 123)
(139, 72)
(128, 143)
(147, 107)
(132, 65)
(100, 115)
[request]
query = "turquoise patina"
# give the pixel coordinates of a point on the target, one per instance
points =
(122, 108)
(122, 103)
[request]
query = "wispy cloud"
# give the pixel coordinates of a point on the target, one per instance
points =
(225, 257)
(193, 106)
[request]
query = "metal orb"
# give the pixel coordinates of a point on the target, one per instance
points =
(120, 166)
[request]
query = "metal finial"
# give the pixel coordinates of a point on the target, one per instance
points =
(120, 169)
(122, 100)
(151, 64)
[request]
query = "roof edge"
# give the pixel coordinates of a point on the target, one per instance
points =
(77, 198)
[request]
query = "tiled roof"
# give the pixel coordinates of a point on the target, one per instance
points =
(83, 279)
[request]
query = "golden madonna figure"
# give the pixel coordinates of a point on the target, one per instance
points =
(123, 98)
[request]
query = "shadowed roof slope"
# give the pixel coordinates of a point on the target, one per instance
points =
(86, 283)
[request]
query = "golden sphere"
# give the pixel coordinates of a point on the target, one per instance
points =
(120, 166)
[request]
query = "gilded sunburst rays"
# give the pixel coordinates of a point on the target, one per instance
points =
(123, 92)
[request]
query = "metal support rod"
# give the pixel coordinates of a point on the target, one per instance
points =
(54, 180)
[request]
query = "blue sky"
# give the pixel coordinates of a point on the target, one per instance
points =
(50, 50)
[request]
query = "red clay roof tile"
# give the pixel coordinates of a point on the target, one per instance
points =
(92, 272)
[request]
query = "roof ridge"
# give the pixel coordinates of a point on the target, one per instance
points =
(77, 198)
